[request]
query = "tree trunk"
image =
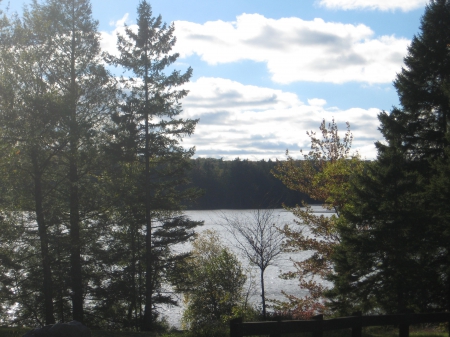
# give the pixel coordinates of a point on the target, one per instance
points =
(43, 237)
(263, 295)
(61, 317)
(148, 319)
(75, 243)
(448, 281)
(132, 306)
(148, 313)
(139, 284)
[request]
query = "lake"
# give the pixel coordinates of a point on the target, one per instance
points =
(273, 284)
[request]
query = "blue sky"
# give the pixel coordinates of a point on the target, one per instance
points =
(265, 72)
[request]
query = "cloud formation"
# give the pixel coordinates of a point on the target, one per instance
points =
(295, 49)
(253, 122)
(256, 123)
(383, 5)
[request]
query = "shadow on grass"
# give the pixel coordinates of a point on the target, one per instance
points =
(18, 332)
(380, 332)
(367, 332)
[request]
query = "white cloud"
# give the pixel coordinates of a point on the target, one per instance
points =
(293, 49)
(296, 50)
(108, 41)
(251, 122)
(317, 102)
(383, 5)
(121, 22)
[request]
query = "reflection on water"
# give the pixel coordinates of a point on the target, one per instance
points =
(273, 283)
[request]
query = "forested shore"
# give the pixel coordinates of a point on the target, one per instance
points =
(241, 184)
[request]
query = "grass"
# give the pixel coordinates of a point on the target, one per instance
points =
(368, 332)
(381, 332)
(431, 331)
(13, 332)
(18, 332)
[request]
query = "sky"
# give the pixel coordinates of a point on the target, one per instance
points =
(265, 72)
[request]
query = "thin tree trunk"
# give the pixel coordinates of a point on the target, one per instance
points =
(61, 283)
(43, 237)
(148, 313)
(148, 319)
(139, 285)
(448, 280)
(75, 243)
(132, 306)
(263, 295)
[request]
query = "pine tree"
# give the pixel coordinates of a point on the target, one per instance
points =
(384, 258)
(419, 129)
(150, 128)
(423, 87)
(87, 92)
(30, 119)
(395, 247)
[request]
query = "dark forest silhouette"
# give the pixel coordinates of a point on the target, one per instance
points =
(240, 184)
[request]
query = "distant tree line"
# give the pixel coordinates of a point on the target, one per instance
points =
(240, 184)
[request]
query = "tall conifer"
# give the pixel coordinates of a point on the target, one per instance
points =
(87, 91)
(423, 87)
(30, 119)
(150, 119)
(394, 253)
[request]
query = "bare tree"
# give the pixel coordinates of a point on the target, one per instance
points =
(258, 238)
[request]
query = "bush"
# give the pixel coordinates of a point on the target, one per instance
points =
(213, 287)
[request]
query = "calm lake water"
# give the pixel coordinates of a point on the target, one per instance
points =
(273, 284)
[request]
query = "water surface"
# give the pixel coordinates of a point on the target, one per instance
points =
(273, 283)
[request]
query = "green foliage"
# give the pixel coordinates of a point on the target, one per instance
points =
(325, 175)
(422, 86)
(150, 167)
(31, 119)
(383, 260)
(74, 193)
(213, 286)
(394, 255)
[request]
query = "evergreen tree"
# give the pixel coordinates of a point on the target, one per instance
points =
(30, 118)
(87, 92)
(422, 123)
(149, 131)
(395, 248)
(419, 130)
(436, 198)
(384, 259)
(423, 87)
